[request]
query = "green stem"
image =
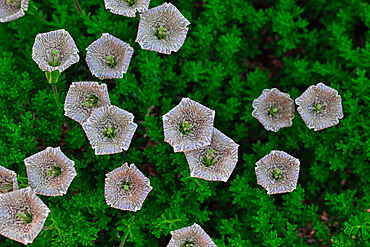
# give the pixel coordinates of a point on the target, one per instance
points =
(124, 240)
(78, 7)
(55, 93)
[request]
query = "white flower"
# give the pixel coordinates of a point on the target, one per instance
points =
(126, 7)
(8, 180)
(191, 236)
(12, 9)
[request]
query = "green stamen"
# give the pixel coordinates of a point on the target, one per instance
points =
(56, 171)
(188, 244)
(27, 218)
(130, 3)
(184, 127)
(92, 101)
(272, 111)
(276, 174)
(208, 160)
(126, 185)
(317, 108)
(112, 62)
(160, 33)
(54, 59)
(109, 132)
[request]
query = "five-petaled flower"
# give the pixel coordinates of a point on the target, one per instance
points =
(274, 109)
(50, 172)
(110, 129)
(188, 126)
(215, 161)
(108, 57)
(126, 188)
(12, 9)
(8, 180)
(277, 172)
(55, 50)
(126, 7)
(320, 107)
(22, 215)
(162, 29)
(83, 98)
(191, 236)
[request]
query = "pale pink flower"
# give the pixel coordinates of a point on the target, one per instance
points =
(188, 126)
(320, 107)
(126, 7)
(8, 180)
(22, 215)
(215, 161)
(126, 188)
(83, 98)
(50, 172)
(278, 172)
(162, 29)
(12, 9)
(191, 236)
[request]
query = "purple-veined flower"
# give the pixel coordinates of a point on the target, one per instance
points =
(83, 98)
(50, 172)
(55, 50)
(277, 172)
(188, 126)
(8, 180)
(126, 188)
(274, 109)
(22, 215)
(108, 57)
(191, 236)
(110, 129)
(12, 9)
(320, 107)
(162, 29)
(126, 7)
(215, 161)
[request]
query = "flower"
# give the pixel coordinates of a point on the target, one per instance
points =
(8, 180)
(12, 9)
(277, 172)
(188, 126)
(126, 7)
(55, 50)
(320, 107)
(110, 129)
(274, 109)
(50, 172)
(215, 161)
(126, 188)
(162, 29)
(22, 215)
(83, 98)
(190, 236)
(108, 57)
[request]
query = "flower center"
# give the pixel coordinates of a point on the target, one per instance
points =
(188, 244)
(276, 174)
(26, 218)
(319, 108)
(54, 59)
(109, 132)
(126, 185)
(208, 160)
(184, 127)
(92, 101)
(272, 111)
(7, 186)
(112, 62)
(160, 33)
(129, 2)
(14, 3)
(56, 171)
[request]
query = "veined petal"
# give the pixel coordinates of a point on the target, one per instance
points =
(8, 180)
(191, 234)
(11, 10)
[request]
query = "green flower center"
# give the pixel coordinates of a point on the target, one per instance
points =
(272, 111)
(92, 101)
(188, 244)
(27, 217)
(126, 185)
(14, 3)
(112, 62)
(319, 108)
(276, 174)
(109, 132)
(54, 59)
(184, 127)
(56, 171)
(129, 2)
(160, 33)
(7, 186)
(208, 160)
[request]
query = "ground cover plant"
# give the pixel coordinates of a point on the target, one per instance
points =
(233, 51)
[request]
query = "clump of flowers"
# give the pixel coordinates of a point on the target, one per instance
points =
(274, 109)
(215, 161)
(191, 236)
(126, 188)
(162, 29)
(108, 57)
(126, 7)
(188, 126)
(278, 172)
(50, 172)
(12, 9)
(83, 98)
(8, 180)
(110, 129)
(320, 107)
(23, 215)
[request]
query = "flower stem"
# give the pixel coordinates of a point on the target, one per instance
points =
(55, 93)
(78, 7)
